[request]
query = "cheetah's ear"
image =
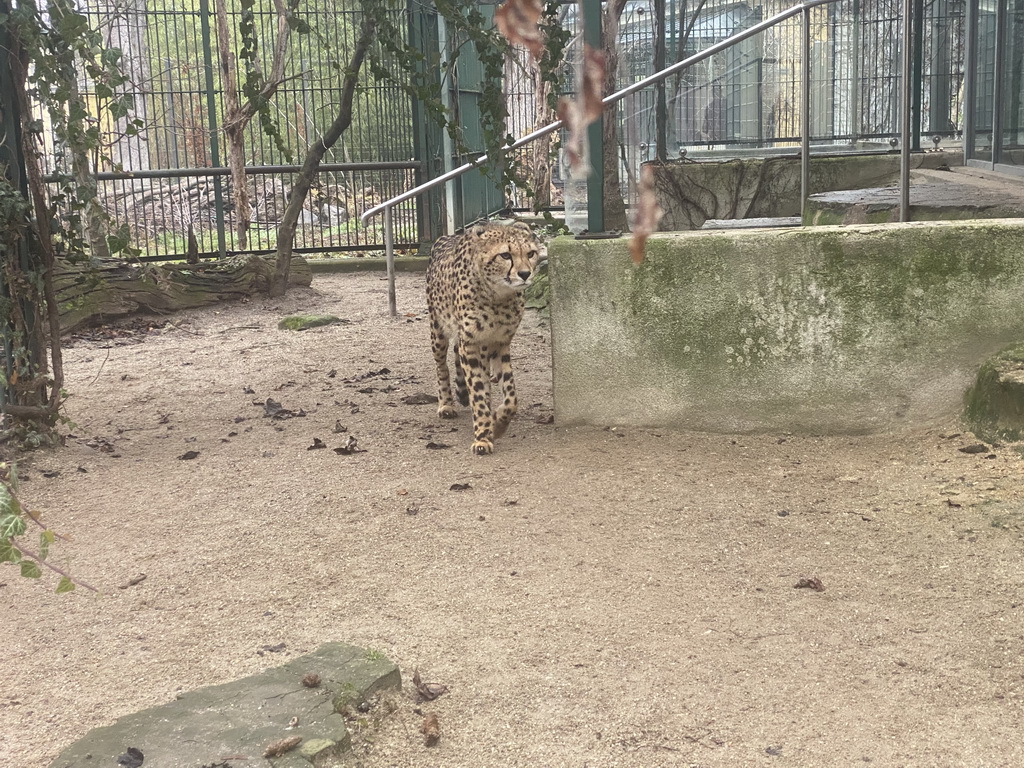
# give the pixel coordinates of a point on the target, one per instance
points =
(521, 225)
(477, 230)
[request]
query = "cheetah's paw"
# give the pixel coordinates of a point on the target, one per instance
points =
(483, 447)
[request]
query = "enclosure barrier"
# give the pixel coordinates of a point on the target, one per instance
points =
(803, 9)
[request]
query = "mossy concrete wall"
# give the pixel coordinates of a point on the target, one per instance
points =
(824, 330)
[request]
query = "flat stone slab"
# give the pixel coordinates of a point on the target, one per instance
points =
(234, 723)
(955, 197)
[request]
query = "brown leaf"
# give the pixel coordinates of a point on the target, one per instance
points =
(648, 214)
(427, 691)
(519, 22)
(311, 680)
(580, 112)
(278, 748)
(812, 583)
(431, 730)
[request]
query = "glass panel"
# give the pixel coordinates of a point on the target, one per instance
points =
(985, 79)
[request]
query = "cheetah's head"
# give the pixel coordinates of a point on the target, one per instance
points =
(507, 255)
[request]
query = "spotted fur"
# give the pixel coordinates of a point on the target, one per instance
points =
(475, 285)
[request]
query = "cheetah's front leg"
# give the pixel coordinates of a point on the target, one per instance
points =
(509, 404)
(439, 344)
(475, 363)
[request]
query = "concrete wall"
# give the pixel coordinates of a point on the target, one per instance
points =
(690, 193)
(830, 329)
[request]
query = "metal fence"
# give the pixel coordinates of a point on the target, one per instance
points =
(749, 96)
(171, 176)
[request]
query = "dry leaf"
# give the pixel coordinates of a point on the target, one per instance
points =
(278, 748)
(427, 691)
(648, 214)
(431, 730)
(580, 112)
(311, 680)
(519, 22)
(812, 583)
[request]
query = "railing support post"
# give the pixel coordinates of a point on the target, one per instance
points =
(389, 257)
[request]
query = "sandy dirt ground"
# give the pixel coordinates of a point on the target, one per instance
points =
(594, 597)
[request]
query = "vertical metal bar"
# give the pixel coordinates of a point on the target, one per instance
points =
(389, 256)
(592, 36)
(969, 141)
(805, 114)
(661, 106)
(211, 111)
(906, 76)
(999, 83)
(855, 75)
(918, 69)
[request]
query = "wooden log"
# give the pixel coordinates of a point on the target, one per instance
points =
(91, 293)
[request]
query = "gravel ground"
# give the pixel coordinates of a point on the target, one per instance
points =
(593, 597)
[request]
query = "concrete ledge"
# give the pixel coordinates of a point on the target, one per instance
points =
(243, 717)
(825, 329)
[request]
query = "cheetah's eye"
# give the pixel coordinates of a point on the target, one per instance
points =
(506, 256)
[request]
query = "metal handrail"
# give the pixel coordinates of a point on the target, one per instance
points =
(803, 8)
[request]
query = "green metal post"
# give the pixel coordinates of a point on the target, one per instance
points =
(661, 105)
(211, 110)
(595, 132)
(427, 139)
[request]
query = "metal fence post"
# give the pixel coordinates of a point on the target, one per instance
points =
(805, 113)
(905, 109)
(592, 35)
(211, 109)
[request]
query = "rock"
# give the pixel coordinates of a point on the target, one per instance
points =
(245, 716)
(333, 215)
(305, 322)
(994, 406)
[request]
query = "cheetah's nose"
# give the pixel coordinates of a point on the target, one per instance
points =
(524, 274)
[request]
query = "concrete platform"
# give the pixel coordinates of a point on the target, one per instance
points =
(958, 193)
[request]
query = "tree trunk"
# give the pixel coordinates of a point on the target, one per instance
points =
(94, 217)
(88, 294)
(314, 156)
(237, 115)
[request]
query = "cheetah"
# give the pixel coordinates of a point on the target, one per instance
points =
(475, 285)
